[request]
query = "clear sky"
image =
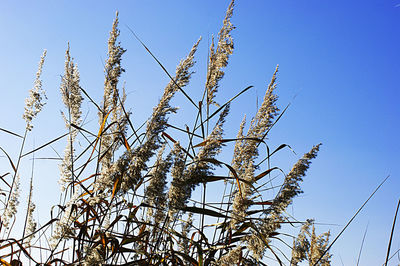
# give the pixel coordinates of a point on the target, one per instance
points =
(339, 68)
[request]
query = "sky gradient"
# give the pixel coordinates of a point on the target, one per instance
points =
(339, 69)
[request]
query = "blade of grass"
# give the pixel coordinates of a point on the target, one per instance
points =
(391, 234)
(350, 221)
(82, 129)
(9, 159)
(44, 145)
(223, 106)
(159, 63)
(2, 178)
(87, 95)
(182, 130)
(362, 244)
(12, 133)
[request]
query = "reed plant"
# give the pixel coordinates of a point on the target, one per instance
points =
(127, 192)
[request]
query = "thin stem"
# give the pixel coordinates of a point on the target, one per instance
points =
(391, 234)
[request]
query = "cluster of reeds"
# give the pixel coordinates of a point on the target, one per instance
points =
(127, 195)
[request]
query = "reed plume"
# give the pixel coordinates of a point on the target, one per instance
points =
(72, 98)
(309, 247)
(35, 102)
(218, 57)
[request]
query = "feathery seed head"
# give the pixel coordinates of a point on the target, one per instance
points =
(72, 99)
(64, 226)
(177, 188)
(34, 104)
(155, 193)
(309, 246)
(291, 186)
(247, 150)
(13, 203)
(70, 90)
(184, 182)
(113, 71)
(232, 257)
(289, 190)
(218, 58)
(30, 222)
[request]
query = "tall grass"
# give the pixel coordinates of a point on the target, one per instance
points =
(127, 194)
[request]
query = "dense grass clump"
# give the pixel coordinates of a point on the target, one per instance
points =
(127, 195)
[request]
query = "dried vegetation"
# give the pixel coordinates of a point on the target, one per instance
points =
(127, 194)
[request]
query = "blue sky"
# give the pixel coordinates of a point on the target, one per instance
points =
(339, 69)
